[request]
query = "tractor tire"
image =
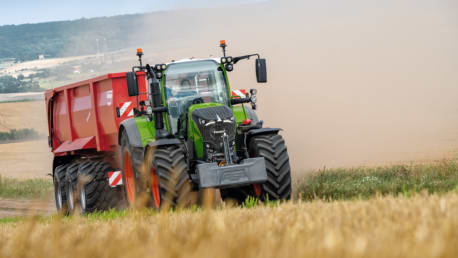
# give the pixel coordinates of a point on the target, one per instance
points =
(273, 148)
(278, 185)
(169, 183)
(71, 180)
(131, 163)
(60, 194)
(95, 193)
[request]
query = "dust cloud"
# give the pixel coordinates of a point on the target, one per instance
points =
(351, 82)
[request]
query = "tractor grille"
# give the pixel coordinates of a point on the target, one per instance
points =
(213, 123)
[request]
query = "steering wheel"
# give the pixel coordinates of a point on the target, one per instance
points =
(198, 100)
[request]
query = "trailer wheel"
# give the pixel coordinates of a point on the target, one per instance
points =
(128, 172)
(273, 149)
(60, 188)
(95, 193)
(71, 186)
(169, 182)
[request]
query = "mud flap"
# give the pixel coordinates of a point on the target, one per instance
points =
(250, 171)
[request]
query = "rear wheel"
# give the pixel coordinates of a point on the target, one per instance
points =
(128, 174)
(95, 192)
(60, 188)
(169, 181)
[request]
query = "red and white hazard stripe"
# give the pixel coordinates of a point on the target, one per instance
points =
(126, 109)
(114, 178)
(239, 93)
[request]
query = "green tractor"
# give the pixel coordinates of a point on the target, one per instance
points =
(193, 133)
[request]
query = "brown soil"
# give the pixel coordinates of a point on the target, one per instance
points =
(18, 115)
(32, 159)
(15, 208)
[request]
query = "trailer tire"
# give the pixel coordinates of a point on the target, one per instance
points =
(60, 195)
(95, 193)
(273, 148)
(169, 182)
(71, 179)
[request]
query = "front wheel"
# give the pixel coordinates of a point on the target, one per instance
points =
(278, 186)
(273, 149)
(169, 181)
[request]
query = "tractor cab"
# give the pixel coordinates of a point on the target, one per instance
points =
(187, 83)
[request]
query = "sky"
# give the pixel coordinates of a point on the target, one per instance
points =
(33, 11)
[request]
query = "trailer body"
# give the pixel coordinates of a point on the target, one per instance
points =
(86, 115)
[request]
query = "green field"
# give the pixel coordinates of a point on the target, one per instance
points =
(366, 182)
(329, 184)
(25, 188)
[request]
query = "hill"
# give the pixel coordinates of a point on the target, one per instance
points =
(67, 38)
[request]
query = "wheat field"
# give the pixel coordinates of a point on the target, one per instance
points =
(419, 226)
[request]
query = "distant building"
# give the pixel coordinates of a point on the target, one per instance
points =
(41, 57)
(77, 69)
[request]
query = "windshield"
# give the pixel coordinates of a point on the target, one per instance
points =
(192, 83)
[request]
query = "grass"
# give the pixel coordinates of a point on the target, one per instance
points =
(25, 188)
(342, 184)
(421, 226)
(327, 184)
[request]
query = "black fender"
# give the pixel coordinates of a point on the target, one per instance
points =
(129, 126)
(162, 142)
(251, 115)
(260, 131)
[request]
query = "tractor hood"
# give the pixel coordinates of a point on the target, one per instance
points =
(209, 126)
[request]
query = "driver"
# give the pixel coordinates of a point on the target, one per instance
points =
(180, 89)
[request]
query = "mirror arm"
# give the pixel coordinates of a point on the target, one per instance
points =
(240, 101)
(238, 58)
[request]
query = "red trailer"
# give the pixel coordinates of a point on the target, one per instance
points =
(86, 115)
(83, 122)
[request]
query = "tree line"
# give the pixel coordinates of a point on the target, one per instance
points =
(10, 84)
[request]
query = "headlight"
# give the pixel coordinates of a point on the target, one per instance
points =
(164, 67)
(229, 59)
(202, 121)
(223, 60)
(229, 67)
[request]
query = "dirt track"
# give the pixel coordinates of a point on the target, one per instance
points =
(15, 208)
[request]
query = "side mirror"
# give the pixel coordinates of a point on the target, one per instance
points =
(132, 84)
(261, 70)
